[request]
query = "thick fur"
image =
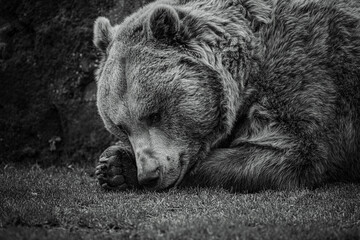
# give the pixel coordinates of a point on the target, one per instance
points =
(254, 94)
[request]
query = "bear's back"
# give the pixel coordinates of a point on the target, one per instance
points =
(309, 76)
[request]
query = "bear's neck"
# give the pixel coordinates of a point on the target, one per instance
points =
(228, 33)
(239, 51)
(229, 42)
(242, 53)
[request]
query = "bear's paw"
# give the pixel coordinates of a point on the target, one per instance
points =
(116, 169)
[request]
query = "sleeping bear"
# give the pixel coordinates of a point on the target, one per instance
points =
(244, 95)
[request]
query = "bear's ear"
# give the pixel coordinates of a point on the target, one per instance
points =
(163, 23)
(103, 33)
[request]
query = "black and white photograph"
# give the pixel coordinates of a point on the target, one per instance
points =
(179, 119)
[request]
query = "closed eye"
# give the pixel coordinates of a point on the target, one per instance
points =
(123, 129)
(152, 119)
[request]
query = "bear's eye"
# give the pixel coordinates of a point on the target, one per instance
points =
(153, 119)
(123, 129)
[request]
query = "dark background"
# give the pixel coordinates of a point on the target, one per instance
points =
(48, 109)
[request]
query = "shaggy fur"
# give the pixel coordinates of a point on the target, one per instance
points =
(240, 94)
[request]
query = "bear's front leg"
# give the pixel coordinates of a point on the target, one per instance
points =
(250, 168)
(116, 169)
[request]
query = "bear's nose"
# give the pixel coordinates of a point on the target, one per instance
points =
(149, 178)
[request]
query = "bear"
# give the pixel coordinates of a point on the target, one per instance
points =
(244, 95)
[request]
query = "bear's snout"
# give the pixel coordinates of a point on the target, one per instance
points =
(157, 159)
(149, 170)
(149, 175)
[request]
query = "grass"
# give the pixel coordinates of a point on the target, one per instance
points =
(66, 203)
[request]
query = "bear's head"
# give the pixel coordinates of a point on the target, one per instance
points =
(162, 88)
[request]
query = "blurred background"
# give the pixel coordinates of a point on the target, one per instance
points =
(48, 109)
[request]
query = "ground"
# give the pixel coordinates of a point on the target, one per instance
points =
(67, 203)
